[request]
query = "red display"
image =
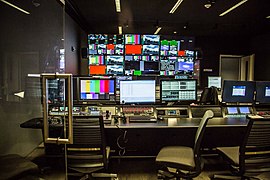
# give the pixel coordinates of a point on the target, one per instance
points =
(97, 70)
(133, 49)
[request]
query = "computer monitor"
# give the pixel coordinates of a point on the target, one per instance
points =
(96, 89)
(151, 39)
(122, 78)
(238, 91)
(214, 81)
(137, 92)
(178, 90)
(262, 92)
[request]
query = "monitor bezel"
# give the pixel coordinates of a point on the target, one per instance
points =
(179, 101)
(93, 101)
(227, 88)
(260, 97)
(138, 103)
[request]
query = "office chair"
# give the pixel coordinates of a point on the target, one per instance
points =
(88, 153)
(209, 96)
(180, 161)
(253, 155)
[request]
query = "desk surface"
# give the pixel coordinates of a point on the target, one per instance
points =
(37, 123)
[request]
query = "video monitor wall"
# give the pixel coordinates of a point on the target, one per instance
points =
(135, 54)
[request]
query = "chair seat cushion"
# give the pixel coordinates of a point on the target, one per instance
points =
(231, 153)
(177, 157)
(14, 166)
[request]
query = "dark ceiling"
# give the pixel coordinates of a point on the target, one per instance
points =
(143, 16)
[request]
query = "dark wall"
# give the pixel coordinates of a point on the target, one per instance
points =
(260, 46)
(74, 39)
(213, 47)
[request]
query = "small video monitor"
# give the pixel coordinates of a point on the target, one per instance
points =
(214, 81)
(232, 110)
(244, 110)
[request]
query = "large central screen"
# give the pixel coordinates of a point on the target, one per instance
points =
(96, 89)
(238, 91)
(178, 90)
(137, 91)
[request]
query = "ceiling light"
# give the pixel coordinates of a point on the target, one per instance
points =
(16, 7)
(158, 29)
(268, 17)
(209, 3)
(117, 5)
(232, 8)
(175, 32)
(120, 29)
(177, 4)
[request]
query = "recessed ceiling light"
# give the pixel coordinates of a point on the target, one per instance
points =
(232, 8)
(268, 17)
(177, 4)
(158, 29)
(117, 5)
(120, 29)
(175, 32)
(16, 7)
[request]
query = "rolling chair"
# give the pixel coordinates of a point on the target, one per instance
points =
(88, 153)
(180, 161)
(253, 155)
(209, 96)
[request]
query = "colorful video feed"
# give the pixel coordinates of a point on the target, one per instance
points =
(150, 50)
(151, 39)
(117, 60)
(97, 60)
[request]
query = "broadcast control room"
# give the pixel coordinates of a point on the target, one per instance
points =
(129, 90)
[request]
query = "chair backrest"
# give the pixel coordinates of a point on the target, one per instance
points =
(88, 133)
(255, 149)
(199, 136)
(209, 96)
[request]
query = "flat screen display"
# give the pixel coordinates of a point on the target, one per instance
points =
(244, 110)
(232, 110)
(97, 69)
(122, 78)
(178, 90)
(151, 39)
(238, 91)
(137, 91)
(115, 69)
(119, 60)
(150, 50)
(96, 89)
(214, 81)
(133, 49)
(132, 39)
(97, 60)
(262, 92)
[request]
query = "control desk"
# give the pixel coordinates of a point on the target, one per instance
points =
(171, 125)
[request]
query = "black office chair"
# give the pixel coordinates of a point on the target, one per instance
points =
(180, 161)
(88, 153)
(209, 96)
(253, 155)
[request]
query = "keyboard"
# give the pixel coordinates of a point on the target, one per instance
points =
(142, 119)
